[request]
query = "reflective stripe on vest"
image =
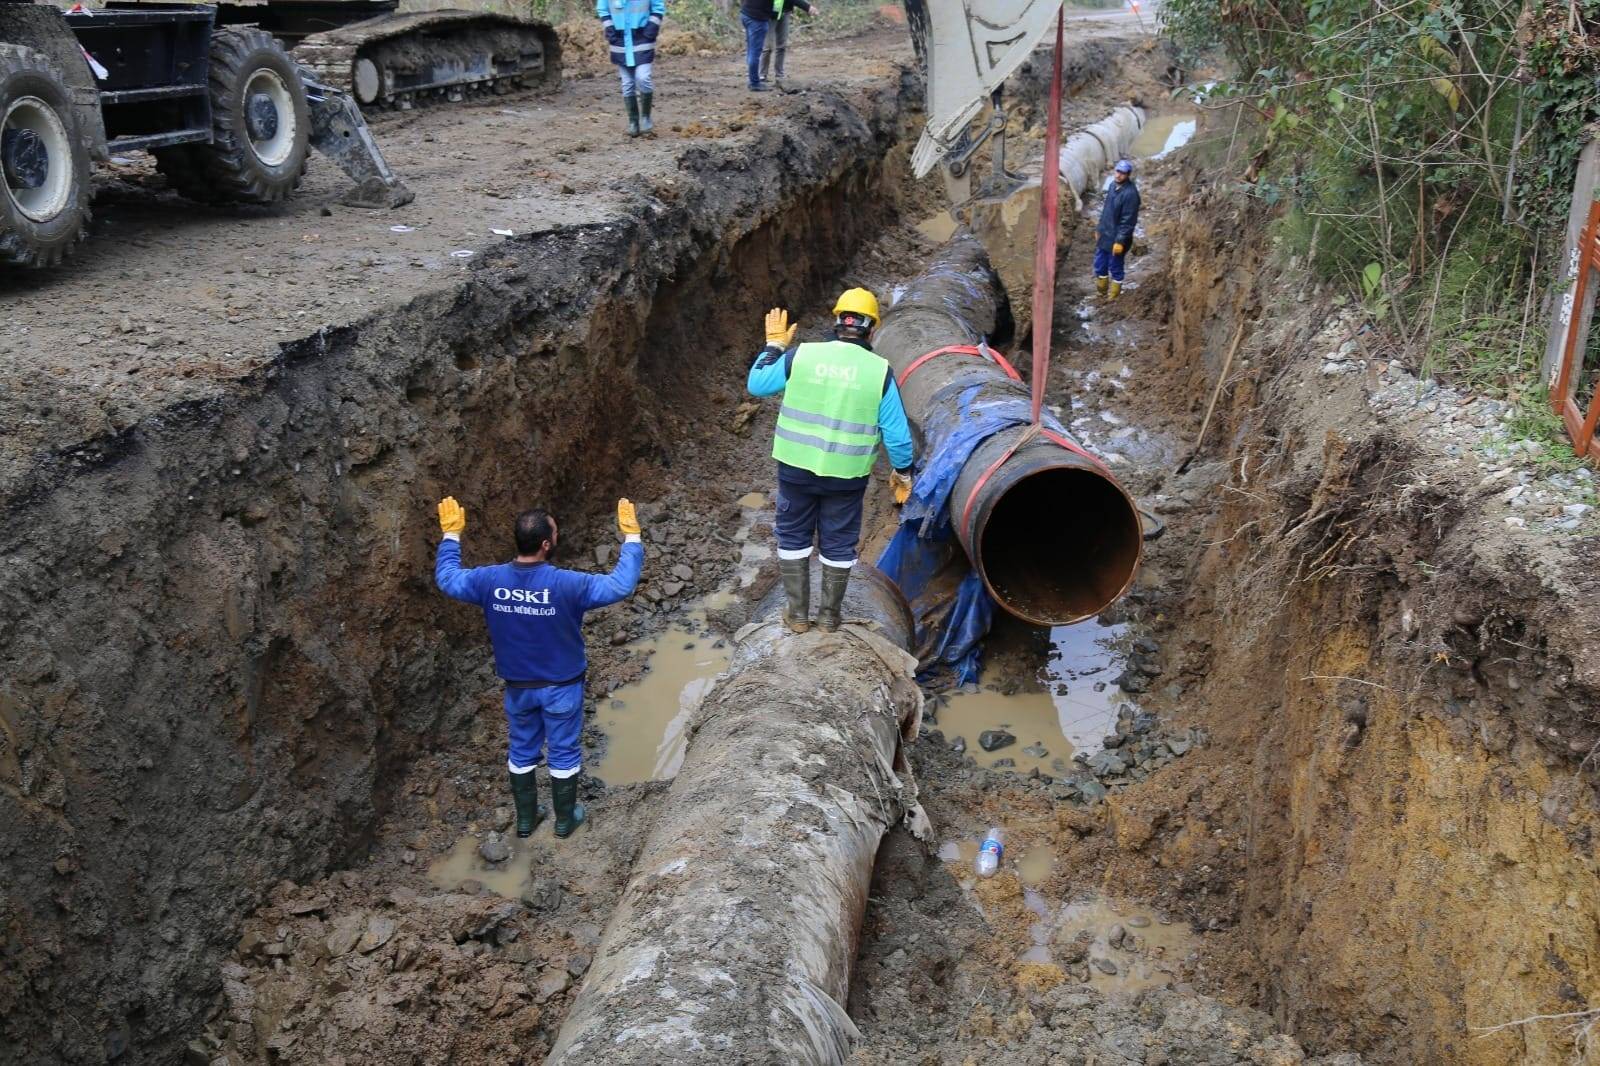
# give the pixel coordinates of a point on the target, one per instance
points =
(829, 420)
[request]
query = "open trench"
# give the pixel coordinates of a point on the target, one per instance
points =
(252, 827)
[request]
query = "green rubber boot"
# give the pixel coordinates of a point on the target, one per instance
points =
(569, 812)
(632, 104)
(835, 579)
(525, 793)
(796, 575)
(645, 125)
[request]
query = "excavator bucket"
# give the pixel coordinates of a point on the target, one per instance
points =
(339, 132)
(967, 48)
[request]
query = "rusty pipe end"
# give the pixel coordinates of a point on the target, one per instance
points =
(1054, 537)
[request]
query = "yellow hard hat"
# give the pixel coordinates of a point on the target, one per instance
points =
(857, 302)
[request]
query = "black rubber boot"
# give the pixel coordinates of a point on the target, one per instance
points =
(645, 125)
(525, 793)
(569, 812)
(796, 575)
(632, 104)
(835, 579)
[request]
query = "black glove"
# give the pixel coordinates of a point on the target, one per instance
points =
(613, 35)
(652, 30)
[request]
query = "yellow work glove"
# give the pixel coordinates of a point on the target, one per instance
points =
(900, 486)
(1117, 249)
(452, 516)
(779, 332)
(627, 518)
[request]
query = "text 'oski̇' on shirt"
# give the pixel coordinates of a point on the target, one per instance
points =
(535, 610)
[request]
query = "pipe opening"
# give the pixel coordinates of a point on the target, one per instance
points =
(1059, 546)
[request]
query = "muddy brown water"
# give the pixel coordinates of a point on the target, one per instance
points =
(1164, 134)
(1073, 709)
(644, 722)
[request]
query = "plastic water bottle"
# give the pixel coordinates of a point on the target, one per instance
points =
(989, 853)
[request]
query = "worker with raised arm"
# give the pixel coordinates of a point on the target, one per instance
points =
(535, 614)
(1114, 236)
(839, 398)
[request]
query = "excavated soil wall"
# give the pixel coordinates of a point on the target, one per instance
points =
(1412, 696)
(221, 638)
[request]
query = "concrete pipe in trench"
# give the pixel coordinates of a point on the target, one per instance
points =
(1089, 152)
(1055, 538)
(734, 937)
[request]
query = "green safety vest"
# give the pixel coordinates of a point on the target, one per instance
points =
(829, 420)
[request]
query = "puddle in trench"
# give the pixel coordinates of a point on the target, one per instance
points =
(508, 878)
(1035, 865)
(1152, 959)
(1076, 708)
(938, 228)
(644, 721)
(1162, 135)
(751, 554)
(1079, 934)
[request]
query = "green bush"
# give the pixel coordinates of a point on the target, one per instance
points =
(1391, 132)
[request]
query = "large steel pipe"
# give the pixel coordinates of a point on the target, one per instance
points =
(1055, 538)
(734, 938)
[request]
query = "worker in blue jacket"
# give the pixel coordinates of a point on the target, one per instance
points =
(839, 401)
(631, 27)
(535, 615)
(1118, 217)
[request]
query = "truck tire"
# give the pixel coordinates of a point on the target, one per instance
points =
(260, 125)
(44, 164)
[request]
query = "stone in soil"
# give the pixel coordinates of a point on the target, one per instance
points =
(1035, 751)
(494, 849)
(1106, 764)
(995, 739)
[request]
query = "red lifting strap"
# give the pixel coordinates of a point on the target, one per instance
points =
(961, 349)
(1034, 430)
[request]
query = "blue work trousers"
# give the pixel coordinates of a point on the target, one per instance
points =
(833, 518)
(540, 717)
(755, 38)
(1106, 263)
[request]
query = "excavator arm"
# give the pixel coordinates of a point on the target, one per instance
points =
(967, 49)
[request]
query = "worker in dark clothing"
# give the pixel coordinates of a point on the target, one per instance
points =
(839, 398)
(1118, 217)
(778, 37)
(757, 17)
(535, 616)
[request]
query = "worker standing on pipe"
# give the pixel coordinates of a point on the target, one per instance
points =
(838, 399)
(1118, 217)
(535, 615)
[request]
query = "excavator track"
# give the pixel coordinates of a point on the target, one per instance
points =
(399, 61)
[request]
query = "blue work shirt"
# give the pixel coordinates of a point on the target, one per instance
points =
(535, 610)
(769, 375)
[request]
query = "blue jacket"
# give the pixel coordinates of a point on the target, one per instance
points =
(1118, 216)
(769, 375)
(631, 27)
(535, 610)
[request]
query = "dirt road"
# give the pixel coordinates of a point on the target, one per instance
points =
(169, 301)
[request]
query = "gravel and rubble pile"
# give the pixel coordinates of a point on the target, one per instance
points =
(1538, 484)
